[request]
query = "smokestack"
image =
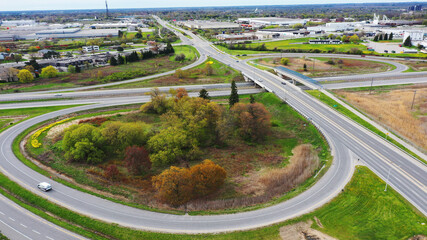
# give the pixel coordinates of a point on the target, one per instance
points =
(106, 6)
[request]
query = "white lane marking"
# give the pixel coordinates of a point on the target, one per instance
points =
(12, 219)
(1, 213)
(49, 238)
(23, 225)
(36, 231)
(16, 230)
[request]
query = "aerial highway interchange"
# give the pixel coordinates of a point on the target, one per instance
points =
(350, 144)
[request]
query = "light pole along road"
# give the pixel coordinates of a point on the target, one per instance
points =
(408, 176)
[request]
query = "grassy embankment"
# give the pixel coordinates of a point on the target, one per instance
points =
(14, 116)
(333, 104)
(221, 74)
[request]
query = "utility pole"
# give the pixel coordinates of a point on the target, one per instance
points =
(372, 82)
(413, 100)
(386, 181)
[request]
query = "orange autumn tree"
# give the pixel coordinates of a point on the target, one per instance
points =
(207, 178)
(177, 186)
(174, 186)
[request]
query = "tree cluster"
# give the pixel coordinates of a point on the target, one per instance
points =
(192, 123)
(86, 143)
(177, 186)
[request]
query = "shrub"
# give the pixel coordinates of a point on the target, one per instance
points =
(253, 120)
(49, 72)
(207, 177)
(284, 61)
(173, 186)
(180, 57)
(112, 173)
(137, 160)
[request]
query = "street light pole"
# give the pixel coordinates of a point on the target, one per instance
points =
(388, 175)
(413, 100)
(372, 82)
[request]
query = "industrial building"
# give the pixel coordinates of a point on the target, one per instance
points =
(14, 23)
(196, 24)
(236, 38)
(271, 21)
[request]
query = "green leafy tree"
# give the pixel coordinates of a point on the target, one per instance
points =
(284, 61)
(234, 96)
(83, 143)
(71, 68)
(49, 72)
(25, 76)
(159, 103)
(17, 57)
(171, 145)
(354, 39)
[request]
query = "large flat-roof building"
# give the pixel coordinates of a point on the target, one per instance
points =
(197, 24)
(272, 21)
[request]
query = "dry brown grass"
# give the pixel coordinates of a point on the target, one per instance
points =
(271, 183)
(323, 69)
(393, 109)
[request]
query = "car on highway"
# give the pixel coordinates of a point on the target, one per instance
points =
(58, 95)
(283, 83)
(44, 186)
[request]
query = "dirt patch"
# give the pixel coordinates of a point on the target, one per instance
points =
(393, 108)
(302, 231)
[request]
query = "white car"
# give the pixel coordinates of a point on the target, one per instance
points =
(44, 186)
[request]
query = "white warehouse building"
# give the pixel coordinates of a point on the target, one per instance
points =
(272, 21)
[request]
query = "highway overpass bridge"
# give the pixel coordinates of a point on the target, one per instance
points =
(288, 76)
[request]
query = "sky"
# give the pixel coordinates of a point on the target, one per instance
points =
(20, 5)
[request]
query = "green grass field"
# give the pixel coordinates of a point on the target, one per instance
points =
(189, 51)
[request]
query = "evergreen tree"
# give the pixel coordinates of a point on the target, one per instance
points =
(169, 48)
(305, 67)
(120, 59)
(381, 37)
(204, 94)
(376, 38)
(390, 37)
(113, 61)
(407, 42)
(386, 36)
(78, 69)
(251, 99)
(234, 97)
